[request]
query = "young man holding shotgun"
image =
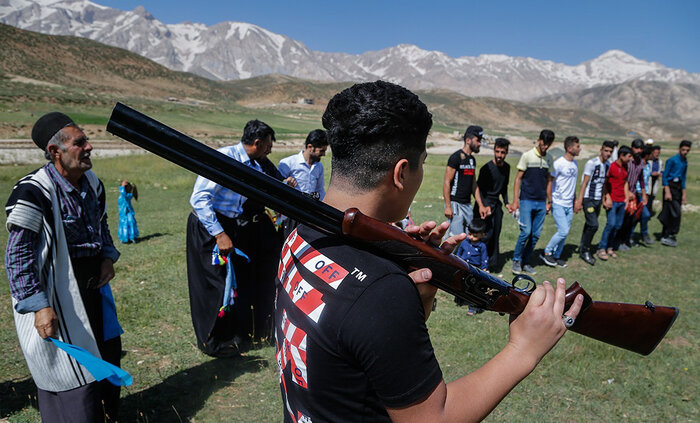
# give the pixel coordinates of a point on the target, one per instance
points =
(352, 343)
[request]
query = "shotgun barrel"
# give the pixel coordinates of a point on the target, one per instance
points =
(638, 328)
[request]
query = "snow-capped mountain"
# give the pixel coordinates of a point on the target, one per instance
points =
(234, 50)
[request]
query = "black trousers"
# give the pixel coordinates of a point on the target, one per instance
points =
(670, 216)
(252, 314)
(494, 224)
(591, 210)
(97, 401)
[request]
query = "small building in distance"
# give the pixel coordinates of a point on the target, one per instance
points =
(304, 100)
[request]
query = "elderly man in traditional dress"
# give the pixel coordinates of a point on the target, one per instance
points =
(59, 261)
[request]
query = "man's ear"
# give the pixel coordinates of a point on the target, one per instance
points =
(399, 174)
(53, 150)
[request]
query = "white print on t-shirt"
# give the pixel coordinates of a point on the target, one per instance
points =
(294, 352)
(565, 174)
(304, 296)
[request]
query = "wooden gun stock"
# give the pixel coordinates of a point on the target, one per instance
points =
(637, 328)
(634, 327)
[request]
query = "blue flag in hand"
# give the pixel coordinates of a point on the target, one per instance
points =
(98, 368)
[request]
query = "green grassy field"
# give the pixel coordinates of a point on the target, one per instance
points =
(581, 380)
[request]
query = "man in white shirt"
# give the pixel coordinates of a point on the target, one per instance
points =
(307, 169)
(563, 196)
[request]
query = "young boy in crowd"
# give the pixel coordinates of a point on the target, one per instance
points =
(473, 250)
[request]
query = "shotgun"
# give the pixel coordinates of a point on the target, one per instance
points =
(638, 328)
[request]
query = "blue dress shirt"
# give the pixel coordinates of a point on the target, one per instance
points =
(309, 178)
(676, 170)
(209, 198)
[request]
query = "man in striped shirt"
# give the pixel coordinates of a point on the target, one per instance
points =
(591, 196)
(59, 259)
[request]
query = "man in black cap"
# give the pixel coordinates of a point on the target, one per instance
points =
(459, 184)
(59, 260)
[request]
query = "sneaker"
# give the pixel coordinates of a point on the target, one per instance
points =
(623, 247)
(647, 239)
(586, 256)
(633, 243)
(561, 263)
(669, 242)
(529, 270)
(548, 259)
(517, 269)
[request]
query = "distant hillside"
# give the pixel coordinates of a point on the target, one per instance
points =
(452, 109)
(670, 110)
(88, 77)
(72, 62)
(234, 50)
(266, 90)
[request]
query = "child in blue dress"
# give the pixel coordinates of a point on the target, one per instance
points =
(473, 251)
(128, 230)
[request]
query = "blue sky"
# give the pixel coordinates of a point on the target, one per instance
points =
(563, 31)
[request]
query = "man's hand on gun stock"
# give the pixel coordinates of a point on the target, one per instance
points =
(540, 326)
(431, 233)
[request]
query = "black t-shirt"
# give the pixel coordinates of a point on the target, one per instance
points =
(493, 183)
(350, 332)
(465, 169)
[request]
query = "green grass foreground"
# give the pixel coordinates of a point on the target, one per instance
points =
(581, 380)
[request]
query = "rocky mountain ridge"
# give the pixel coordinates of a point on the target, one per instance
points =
(237, 50)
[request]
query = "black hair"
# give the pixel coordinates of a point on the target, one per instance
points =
(609, 144)
(569, 141)
(547, 136)
(656, 147)
(476, 226)
(638, 143)
(371, 126)
(616, 143)
(256, 130)
(685, 143)
(501, 143)
(647, 151)
(317, 138)
(623, 151)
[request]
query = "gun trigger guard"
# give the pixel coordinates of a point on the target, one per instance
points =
(529, 286)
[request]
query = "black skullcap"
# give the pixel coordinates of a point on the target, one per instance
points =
(474, 131)
(47, 126)
(638, 143)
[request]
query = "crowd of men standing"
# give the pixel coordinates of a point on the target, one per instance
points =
(60, 254)
(622, 181)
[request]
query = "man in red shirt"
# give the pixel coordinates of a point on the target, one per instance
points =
(615, 201)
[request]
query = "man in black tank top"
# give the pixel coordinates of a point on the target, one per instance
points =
(352, 344)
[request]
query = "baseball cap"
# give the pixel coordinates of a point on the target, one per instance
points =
(474, 130)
